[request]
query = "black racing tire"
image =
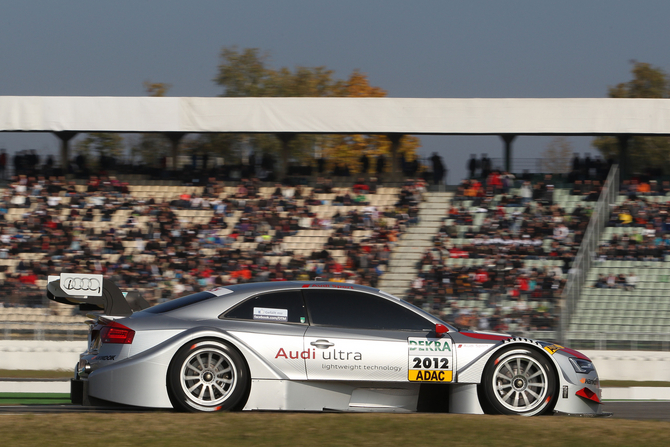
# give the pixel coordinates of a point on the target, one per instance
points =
(207, 375)
(519, 380)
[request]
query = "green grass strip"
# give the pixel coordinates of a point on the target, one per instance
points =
(34, 398)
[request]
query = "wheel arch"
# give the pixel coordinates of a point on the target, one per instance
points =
(531, 344)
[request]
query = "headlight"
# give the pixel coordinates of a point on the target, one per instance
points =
(581, 366)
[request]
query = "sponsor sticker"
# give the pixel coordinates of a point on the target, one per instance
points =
(593, 382)
(266, 313)
(429, 376)
(81, 284)
(430, 360)
(551, 349)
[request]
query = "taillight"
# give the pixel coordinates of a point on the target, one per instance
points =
(114, 332)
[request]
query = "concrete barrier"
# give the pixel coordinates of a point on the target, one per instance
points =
(42, 386)
(631, 365)
(636, 393)
(39, 354)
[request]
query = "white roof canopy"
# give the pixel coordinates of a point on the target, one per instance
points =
(417, 116)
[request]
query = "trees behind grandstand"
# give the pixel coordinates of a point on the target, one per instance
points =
(645, 152)
(245, 73)
(556, 157)
(98, 151)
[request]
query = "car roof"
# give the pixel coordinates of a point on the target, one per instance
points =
(254, 287)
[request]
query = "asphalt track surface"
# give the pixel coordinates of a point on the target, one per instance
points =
(658, 410)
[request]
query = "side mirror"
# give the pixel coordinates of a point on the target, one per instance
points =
(440, 330)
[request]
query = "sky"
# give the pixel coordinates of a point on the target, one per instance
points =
(440, 49)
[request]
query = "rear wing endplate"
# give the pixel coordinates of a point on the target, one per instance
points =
(93, 292)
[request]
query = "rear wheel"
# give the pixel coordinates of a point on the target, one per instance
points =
(519, 381)
(207, 375)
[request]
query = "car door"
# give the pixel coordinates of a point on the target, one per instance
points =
(273, 325)
(358, 336)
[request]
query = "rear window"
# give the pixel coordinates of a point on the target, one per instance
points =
(179, 303)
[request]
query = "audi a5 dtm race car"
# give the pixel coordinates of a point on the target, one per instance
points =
(310, 346)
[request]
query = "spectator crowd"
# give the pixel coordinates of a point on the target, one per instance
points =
(505, 244)
(518, 243)
(151, 244)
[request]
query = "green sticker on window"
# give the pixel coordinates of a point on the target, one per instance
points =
(302, 319)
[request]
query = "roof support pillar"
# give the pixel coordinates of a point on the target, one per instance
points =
(623, 155)
(285, 139)
(65, 137)
(508, 138)
(175, 139)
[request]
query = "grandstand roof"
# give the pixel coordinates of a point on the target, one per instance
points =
(472, 116)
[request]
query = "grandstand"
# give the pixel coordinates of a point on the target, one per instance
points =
(168, 239)
(462, 255)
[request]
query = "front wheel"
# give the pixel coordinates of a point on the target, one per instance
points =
(519, 381)
(207, 375)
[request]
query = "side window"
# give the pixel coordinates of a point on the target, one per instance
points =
(360, 311)
(279, 307)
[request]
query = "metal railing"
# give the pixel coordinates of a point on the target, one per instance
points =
(582, 262)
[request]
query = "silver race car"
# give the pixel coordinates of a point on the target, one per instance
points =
(311, 346)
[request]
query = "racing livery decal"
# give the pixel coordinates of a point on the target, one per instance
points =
(81, 284)
(355, 359)
(430, 360)
(588, 381)
(551, 349)
(325, 355)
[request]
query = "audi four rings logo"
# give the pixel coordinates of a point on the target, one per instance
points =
(83, 284)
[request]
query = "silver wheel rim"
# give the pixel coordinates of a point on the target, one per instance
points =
(520, 383)
(208, 376)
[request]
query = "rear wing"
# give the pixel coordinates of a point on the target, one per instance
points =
(93, 292)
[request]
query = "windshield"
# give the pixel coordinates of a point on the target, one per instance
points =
(179, 303)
